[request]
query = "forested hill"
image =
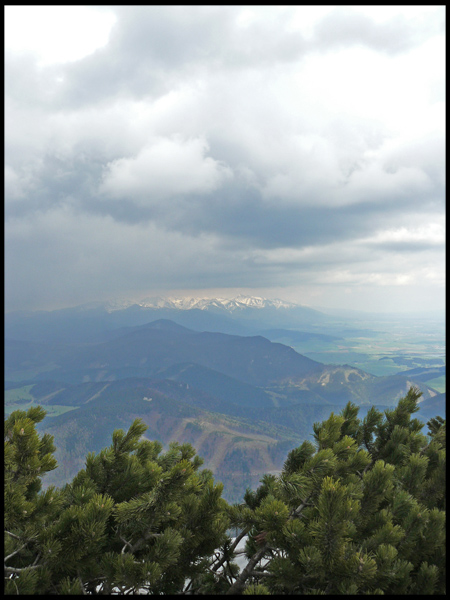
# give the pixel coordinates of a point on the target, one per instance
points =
(243, 401)
(148, 349)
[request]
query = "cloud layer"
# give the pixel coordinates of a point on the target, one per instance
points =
(227, 147)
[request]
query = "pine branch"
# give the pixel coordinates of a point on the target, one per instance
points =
(125, 544)
(13, 535)
(138, 543)
(83, 591)
(141, 541)
(366, 468)
(15, 552)
(12, 570)
(232, 547)
(297, 512)
(238, 585)
(257, 573)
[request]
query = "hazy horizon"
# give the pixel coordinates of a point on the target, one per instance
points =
(210, 294)
(292, 152)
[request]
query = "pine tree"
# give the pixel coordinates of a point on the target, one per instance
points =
(361, 511)
(134, 519)
(28, 512)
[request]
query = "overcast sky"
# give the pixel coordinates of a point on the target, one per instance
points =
(293, 152)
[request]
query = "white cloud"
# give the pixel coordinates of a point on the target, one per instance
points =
(57, 34)
(163, 169)
(431, 233)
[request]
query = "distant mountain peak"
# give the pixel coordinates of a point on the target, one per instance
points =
(201, 303)
(166, 325)
(116, 304)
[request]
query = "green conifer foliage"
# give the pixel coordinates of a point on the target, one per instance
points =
(134, 520)
(28, 513)
(361, 512)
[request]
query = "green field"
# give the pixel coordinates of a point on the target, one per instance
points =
(383, 347)
(18, 395)
(52, 411)
(22, 399)
(437, 384)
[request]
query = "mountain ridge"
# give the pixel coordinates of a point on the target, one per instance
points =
(202, 303)
(151, 348)
(242, 401)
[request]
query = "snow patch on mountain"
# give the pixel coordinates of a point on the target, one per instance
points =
(238, 303)
(187, 303)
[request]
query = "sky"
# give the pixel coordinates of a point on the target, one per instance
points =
(284, 152)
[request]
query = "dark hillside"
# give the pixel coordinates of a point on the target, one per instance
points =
(431, 407)
(147, 351)
(218, 385)
(297, 336)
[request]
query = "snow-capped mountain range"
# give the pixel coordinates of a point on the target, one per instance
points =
(230, 305)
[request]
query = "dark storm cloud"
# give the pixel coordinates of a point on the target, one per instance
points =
(241, 214)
